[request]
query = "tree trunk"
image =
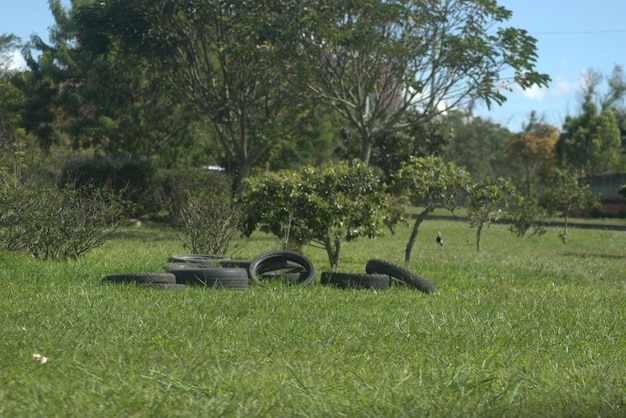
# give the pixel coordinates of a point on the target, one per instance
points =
(479, 230)
(333, 254)
(409, 246)
(366, 150)
(243, 171)
(564, 233)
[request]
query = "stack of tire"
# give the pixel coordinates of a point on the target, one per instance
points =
(213, 271)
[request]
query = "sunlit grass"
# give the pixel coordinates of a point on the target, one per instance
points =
(526, 327)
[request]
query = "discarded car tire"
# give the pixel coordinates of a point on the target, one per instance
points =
(179, 266)
(290, 275)
(140, 278)
(272, 270)
(228, 278)
(280, 260)
(162, 286)
(401, 274)
(281, 269)
(228, 263)
(356, 280)
(201, 259)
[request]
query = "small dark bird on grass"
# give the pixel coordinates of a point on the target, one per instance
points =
(439, 239)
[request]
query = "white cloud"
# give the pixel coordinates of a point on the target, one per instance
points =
(560, 87)
(534, 93)
(12, 60)
(16, 61)
(565, 87)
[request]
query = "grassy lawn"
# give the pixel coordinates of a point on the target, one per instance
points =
(528, 327)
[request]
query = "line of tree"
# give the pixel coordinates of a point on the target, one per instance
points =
(150, 78)
(197, 84)
(267, 85)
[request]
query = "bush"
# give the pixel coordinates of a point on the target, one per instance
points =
(208, 221)
(61, 224)
(527, 215)
(172, 188)
(132, 179)
(321, 205)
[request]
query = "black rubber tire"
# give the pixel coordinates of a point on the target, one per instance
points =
(281, 269)
(140, 278)
(228, 263)
(401, 274)
(162, 286)
(201, 259)
(280, 260)
(290, 275)
(273, 270)
(356, 280)
(228, 278)
(179, 266)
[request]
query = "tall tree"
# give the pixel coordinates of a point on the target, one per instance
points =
(590, 142)
(478, 144)
(532, 153)
(593, 141)
(9, 43)
(374, 60)
(420, 138)
(105, 97)
(223, 58)
(614, 94)
(14, 142)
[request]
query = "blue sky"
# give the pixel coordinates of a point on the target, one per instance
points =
(572, 37)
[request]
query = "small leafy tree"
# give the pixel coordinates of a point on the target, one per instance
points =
(320, 205)
(431, 183)
(566, 194)
(486, 200)
(527, 214)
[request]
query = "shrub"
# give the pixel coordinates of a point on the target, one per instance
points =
(321, 205)
(487, 198)
(527, 215)
(132, 179)
(208, 221)
(60, 224)
(566, 195)
(172, 188)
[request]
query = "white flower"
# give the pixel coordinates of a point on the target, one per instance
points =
(39, 358)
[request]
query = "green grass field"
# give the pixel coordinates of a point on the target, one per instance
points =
(528, 327)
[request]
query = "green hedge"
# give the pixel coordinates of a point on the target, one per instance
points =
(155, 192)
(132, 179)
